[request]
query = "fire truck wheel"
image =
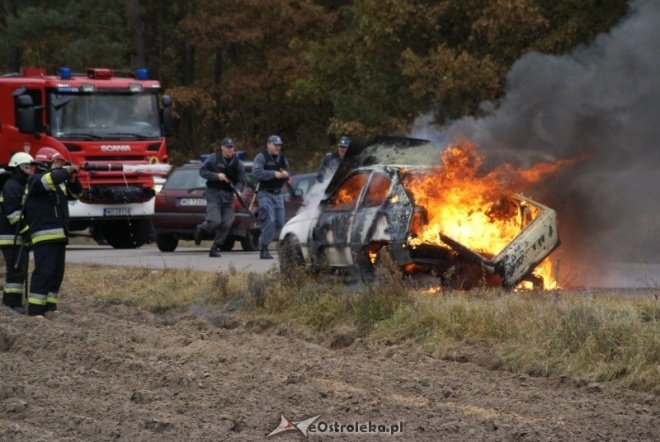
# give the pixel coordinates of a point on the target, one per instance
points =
(167, 242)
(127, 234)
(97, 235)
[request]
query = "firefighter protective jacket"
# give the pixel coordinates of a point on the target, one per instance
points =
(46, 205)
(11, 203)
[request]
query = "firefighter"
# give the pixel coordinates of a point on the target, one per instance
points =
(47, 216)
(11, 239)
(271, 169)
(221, 170)
(331, 161)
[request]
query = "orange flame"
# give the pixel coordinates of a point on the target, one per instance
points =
(475, 210)
(350, 191)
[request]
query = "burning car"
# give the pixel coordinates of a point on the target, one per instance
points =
(446, 220)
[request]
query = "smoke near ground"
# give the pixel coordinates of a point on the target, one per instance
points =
(603, 100)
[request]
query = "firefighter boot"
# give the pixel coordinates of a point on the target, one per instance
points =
(214, 252)
(51, 307)
(14, 301)
(264, 253)
(36, 310)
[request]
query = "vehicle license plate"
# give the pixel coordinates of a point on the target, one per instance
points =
(117, 211)
(192, 202)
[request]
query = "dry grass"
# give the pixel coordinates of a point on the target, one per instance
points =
(600, 338)
(154, 290)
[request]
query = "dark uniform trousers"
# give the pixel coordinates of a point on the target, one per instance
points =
(47, 277)
(15, 276)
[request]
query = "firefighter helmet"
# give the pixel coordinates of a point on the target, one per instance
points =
(20, 158)
(47, 155)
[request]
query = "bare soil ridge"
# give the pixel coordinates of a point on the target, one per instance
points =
(100, 371)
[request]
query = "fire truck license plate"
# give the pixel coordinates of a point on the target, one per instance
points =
(192, 202)
(116, 211)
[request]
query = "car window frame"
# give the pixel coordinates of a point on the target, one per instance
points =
(328, 201)
(367, 186)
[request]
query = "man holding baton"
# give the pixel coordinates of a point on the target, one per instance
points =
(223, 172)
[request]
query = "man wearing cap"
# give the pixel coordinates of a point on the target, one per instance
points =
(331, 161)
(221, 170)
(271, 169)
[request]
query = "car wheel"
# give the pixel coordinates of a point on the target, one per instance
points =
(228, 245)
(371, 258)
(250, 242)
(167, 242)
(290, 254)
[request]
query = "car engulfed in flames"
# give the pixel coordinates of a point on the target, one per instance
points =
(468, 229)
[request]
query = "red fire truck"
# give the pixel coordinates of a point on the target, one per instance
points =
(97, 118)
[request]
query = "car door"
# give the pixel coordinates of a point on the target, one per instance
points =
(369, 214)
(533, 244)
(331, 234)
(383, 215)
(293, 201)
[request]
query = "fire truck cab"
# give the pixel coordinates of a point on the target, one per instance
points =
(97, 117)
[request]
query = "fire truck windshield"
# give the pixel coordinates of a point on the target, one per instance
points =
(104, 116)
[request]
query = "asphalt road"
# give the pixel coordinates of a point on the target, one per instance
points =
(183, 258)
(608, 276)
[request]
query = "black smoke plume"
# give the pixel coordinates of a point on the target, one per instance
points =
(603, 100)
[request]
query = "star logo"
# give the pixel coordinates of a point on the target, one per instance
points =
(301, 426)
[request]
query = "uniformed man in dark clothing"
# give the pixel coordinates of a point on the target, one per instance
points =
(271, 169)
(331, 161)
(14, 250)
(220, 169)
(47, 214)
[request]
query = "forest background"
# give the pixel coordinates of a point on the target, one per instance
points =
(307, 70)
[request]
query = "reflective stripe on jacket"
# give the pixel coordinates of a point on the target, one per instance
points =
(46, 205)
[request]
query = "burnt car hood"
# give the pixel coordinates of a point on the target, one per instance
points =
(513, 263)
(520, 257)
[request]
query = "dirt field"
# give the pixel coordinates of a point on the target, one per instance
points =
(99, 372)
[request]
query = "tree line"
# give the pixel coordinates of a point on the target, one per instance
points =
(308, 70)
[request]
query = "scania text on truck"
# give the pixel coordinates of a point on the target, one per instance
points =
(100, 117)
